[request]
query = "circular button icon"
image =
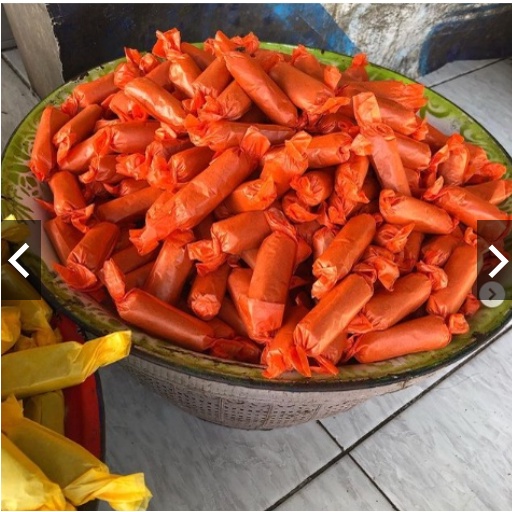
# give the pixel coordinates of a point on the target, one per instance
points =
(491, 294)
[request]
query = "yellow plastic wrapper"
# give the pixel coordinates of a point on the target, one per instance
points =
(24, 343)
(24, 485)
(13, 231)
(47, 409)
(42, 369)
(11, 327)
(6, 251)
(35, 313)
(81, 476)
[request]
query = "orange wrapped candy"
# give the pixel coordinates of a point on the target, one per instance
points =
(136, 278)
(343, 252)
(222, 329)
(160, 75)
(183, 71)
(204, 193)
(304, 60)
(207, 292)
(102, 169)
(129, 137)
(296, 210)
(379, 264)
(202, 58)
(228, 313)
(419, 335)
(68, 200)
(434, 138)
(262, 90)
(314, 187)
(439, 248)
(408, 258)
(427, 218)
(88, 93)
(155, 316)
(128, 207)
(160, 103)
(399, 118)
(188, 163)
(494, 192)
(393, 237)
(232, 103)
(88, 256)
(462, 271)
(327, 150)
(322, 239)
(128, 259)
(221, 135)
(331, 316)
(480, 169)
(214, 79)
(127, 109)
(63, 236)
(268, 289)
(281, 355)
(76, 129)
(451, 161)
(386, 308)
(80, 156)
(171, 269)
(237, 349)
(414, 154)
(252, 196)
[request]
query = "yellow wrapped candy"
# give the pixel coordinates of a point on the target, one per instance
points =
(24, 485)
(42, 369)
(14, 231)
(24, 343)
(81, 476)
(11, 327)
(47, 409)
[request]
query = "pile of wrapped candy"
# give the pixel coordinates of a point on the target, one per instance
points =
(267, 208)
(42, 469)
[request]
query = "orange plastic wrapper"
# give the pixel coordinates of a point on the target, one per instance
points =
(68, 200)
(127, 109)
(439, 248)
(399, 118)
(452, 160)
(419, 335)
(305, 61)
(128, 259)
(191, 204)
(183, 71)
(281, 164)
(136, 278)
(159, 102)
(155, 316)
(262, 90)
(414, 154)
(102, 169)
(126, 187)
(336, 122)
(378, 264)
(281, 355)
(232, 103)
(43, 157)
(461, 269)
(408, 258)
(349, 178)
(188, 163)
(124, 73)
(221, 44)
(322, 239)
(494, 192)
(207, 292)
(314, 187)
(468, 208)
(386, 308)
(63, 236)
(270, 282)
(410, 96)
(129, 137)
(305, 92)
(76, 129)
(240, 232)
(79, 156)
(480, 169)
(88, 256)
(228, 313)
(221, 135)
(393, 237)
(171, 269)
(250, 196)
(128, 207)
(327, 150)
(237, 349)
(331, 316)
(386, 158)
(344, 251)
(202, 58)
(427, 218)
(166, 148)
(88, 93)
(160, 75)
(222, 329)
(133, 166)
(434, 138)
(214, 79)
(168, 44)
(296, 210)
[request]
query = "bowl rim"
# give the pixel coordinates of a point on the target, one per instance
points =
(300, 384)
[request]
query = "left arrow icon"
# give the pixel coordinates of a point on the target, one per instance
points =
(13, 260)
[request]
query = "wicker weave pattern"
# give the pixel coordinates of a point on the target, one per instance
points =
(247, 408)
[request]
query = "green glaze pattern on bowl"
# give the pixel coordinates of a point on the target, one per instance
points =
(19, 190)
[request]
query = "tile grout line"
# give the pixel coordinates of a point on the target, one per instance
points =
(363, 438)
(15, 70)
(430, 86)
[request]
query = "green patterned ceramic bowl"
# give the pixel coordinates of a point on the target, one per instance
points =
(19, 189)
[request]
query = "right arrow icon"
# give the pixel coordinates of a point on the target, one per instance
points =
(501, 264)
